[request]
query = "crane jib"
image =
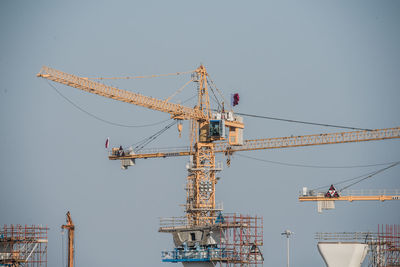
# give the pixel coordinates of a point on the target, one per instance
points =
(279, 142)
(176, 110)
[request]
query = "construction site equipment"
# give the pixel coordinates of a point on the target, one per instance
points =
(71, 229)
(232, 239)
(23, 246)
(382, 247)
(327, 202)
(207, 138)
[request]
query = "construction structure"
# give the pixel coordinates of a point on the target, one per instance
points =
(233, 239)
(326, 200)
(386, 251)
(212, 131)
(351, 248)
(23, 246)
(70, 227)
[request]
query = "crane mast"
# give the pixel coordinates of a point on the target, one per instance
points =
(200, 187)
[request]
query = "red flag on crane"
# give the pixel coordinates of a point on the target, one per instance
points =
(235, 99)
(107, 142)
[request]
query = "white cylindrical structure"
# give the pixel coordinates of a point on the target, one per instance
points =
(343, 254)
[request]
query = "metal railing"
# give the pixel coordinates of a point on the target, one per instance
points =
(199, 254)
(347, 236)
(370, 192)
(170, 222)
(356, 192)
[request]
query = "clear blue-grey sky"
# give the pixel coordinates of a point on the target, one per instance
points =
(334, 62)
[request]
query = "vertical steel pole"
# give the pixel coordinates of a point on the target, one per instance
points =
(287, 233)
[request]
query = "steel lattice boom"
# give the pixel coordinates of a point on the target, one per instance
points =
(273, 143)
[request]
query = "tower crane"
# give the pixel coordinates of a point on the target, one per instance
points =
(207, 138)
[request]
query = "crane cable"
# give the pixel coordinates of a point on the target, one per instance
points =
(215, 97)
(160, 122)
(360, 177)
(138, 77)
(302, 122)
(101, 119)
(216, 88)
(369, 176)
(141, 144)
(314, 166)
(178, 91)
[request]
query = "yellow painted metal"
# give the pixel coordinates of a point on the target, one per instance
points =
(138, 77)
(176, 110)
(234, 124)
(281, 142)
(349, 198)
(200, 204)
(200, 188)
(310, 140)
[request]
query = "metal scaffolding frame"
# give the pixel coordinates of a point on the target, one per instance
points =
(23, 246)
(232, 240)
(387, 250)
(242, 239)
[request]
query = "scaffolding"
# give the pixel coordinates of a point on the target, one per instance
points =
(23, 246)
(232, 240)
(383, 246)
(387, 249)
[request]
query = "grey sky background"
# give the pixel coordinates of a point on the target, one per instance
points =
(334, 62)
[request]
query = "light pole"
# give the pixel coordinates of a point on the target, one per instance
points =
(287, 233)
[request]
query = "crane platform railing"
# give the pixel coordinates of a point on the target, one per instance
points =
(149, 152)
(358, 192)
(173, 222)
(370, 192)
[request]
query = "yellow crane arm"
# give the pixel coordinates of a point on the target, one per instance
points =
(278, 142)
(350, 198)
(312, 140)
(177, 111)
